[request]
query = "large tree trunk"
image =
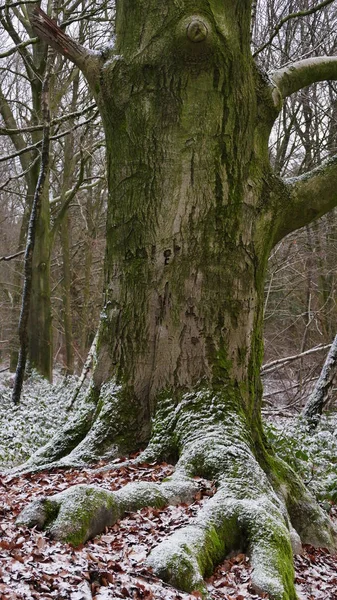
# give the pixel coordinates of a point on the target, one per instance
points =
(187, 237)
(191, 220)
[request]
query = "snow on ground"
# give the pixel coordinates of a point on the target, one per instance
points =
(312, 455)
(42, 410)
(112, 565)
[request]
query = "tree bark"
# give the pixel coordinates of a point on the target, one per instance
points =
(320, 395)
(193, 212)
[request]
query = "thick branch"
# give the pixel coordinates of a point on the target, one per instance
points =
(50, 32)
(302, 73)
(307, 197)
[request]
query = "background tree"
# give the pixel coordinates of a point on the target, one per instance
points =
(300, 306)
(20, 109)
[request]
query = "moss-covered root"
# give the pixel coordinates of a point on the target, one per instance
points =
(227, 523)
(213, 441)
(83, 511)
(310, 521)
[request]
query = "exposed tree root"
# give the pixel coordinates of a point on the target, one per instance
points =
(254, 509)
(83, 511)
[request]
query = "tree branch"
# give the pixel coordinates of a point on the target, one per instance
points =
(281, 362)
(11, 256)
(294, 15)
(52, 138)
(56, 121)
(50, 32)
(6, 6)
(307, 197)
(302, 73)
(18, 47)
(16, 136)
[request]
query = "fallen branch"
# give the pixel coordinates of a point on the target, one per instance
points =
(11, 256)
(275, 364)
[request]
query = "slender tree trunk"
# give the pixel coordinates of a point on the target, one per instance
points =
(90, 236)
(34, 222)
(66, 294)
(40, 319)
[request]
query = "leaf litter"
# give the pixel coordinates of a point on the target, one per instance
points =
(112, 566)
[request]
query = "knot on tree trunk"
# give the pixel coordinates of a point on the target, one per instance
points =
(197, 30)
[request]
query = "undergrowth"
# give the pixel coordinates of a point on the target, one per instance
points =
(313, 455)
(30, 424)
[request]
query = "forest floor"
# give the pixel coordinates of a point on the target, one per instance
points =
(112, 565)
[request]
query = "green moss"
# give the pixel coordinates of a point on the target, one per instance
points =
(217, 544)
(84, 511)
(51, 510)
(181, 571)
(273, 547)
(222, 366)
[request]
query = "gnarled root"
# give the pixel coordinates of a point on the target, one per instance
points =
(83, 511)
(254, 509)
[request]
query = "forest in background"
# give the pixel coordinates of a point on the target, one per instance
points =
(300, 294)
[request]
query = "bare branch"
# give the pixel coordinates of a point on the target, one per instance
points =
(57, 121)
(307, 198)
(14, 4)
(52, 138)
(11, 256)
(276, 364)
(294, 15)
(302, 73)
(18, 47)
(50, 32)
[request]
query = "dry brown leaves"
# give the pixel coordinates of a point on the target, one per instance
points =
(112, 565)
